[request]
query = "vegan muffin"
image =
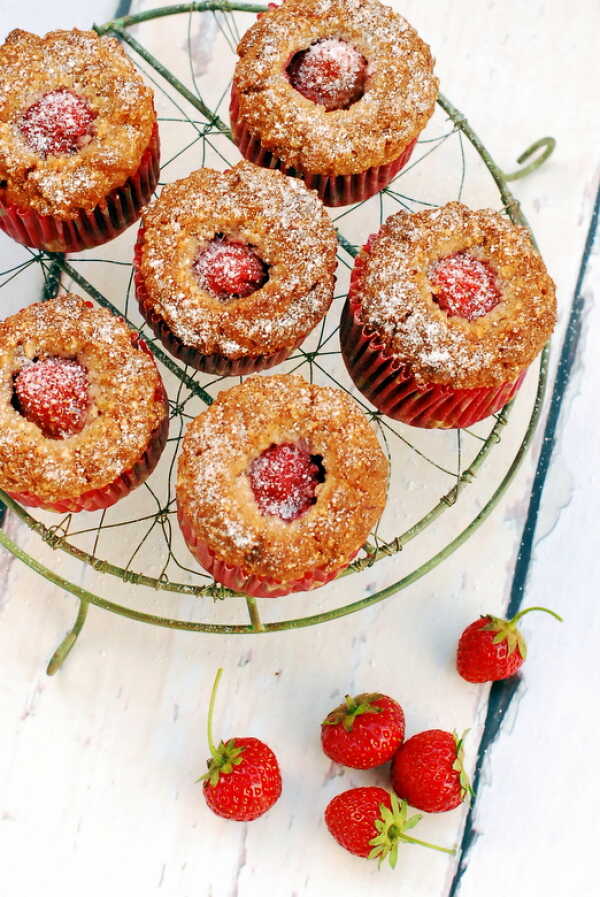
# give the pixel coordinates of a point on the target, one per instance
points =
(334, 91)
(79, 147)
(234, 269)
(83, 411)
(447, 308)
(279, 484)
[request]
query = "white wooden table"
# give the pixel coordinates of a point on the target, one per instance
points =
(97, 764)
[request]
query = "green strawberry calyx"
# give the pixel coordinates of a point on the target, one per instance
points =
(506, 630)
(347, 712)
(227, 754)
(466, 789)
(392, 826)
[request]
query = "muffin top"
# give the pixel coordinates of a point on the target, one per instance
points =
(288, 252)
(90, 350)
(460, 296)
(383, 70)
(75, 120)
(225, 486)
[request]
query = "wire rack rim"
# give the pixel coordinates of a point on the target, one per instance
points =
(245, 629)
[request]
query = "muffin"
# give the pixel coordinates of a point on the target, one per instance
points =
(446, 310)
(279, 484)
(233, 269)
(79, 147)
(83, 411)
(334, 91)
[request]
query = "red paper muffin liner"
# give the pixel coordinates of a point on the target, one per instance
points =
(126, 482)
(114, 214)
(334, 190)
(238, 579)
(217, 364)
(391, 387)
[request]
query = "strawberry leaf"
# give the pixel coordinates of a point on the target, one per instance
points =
(347, 712)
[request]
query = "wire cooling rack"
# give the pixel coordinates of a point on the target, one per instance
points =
(137, 542)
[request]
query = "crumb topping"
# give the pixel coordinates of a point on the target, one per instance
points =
(126, 399)
(75, 120)
(214, 488)
(394, 293)
(289, 231)
(399, 92)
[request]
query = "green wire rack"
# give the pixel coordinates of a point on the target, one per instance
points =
(314, 359)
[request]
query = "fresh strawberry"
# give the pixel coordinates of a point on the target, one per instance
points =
(229, 270)
(371, 822)
(364, 732)
(465, 286)
(330, 72)
(243, 779)
(53, 394)
(428, 771)
(60, 122)
(492, 648)
(284, 479)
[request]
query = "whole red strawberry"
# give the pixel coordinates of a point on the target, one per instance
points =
(284, 479)
(243, 779)
(371, 822)
(330, 72)
(464, 286)
(53, 394)
(364, 732)
(428, 771)
(492, 648)
(230, 270)
(61, 122)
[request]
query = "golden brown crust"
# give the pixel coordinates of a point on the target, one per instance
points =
(398, 101)
(213, 484)
(395, 297)
(286, 224)
(127, 400)
(96, 69)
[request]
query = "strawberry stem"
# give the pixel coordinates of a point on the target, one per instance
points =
(211, 708)
(527, 610)
(450, 850)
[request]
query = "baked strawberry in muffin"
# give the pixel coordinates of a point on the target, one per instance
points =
(79, 148)
(279, 484)
(234, 269)
(83, 411)
(446, 310)
(334, 91)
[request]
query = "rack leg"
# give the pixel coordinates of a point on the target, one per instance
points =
(255, 619)
(63, 650)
